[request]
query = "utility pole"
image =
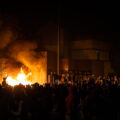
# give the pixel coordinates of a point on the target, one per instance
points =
(58, 37)
(58, 47)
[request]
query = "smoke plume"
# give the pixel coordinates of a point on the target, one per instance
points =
(24, 53)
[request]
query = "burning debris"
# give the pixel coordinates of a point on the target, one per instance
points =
(23, 53)
(21, 78)
(35, 61)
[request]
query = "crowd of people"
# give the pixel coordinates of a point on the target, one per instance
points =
(87, 98)
(80, 77)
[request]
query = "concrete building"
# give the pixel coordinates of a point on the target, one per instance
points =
(75, 54)
(83, 55)
(90, 55)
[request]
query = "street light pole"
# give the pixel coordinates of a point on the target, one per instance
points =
(58, 48)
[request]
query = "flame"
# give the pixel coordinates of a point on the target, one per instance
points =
(21, 78)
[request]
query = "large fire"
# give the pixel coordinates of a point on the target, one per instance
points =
(21, 78)
(34, 68)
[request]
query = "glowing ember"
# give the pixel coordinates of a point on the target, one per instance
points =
(20, 79)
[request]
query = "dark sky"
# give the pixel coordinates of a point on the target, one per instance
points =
(82, 21)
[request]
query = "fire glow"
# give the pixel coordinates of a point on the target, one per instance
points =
(21, 78)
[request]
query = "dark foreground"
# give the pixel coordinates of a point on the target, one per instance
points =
(89, 101)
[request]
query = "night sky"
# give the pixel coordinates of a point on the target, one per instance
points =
(84, 21)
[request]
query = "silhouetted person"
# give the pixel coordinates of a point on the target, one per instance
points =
(4, 82)
(69, 104)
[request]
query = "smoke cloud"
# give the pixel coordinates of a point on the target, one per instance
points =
(23, 53)
(26, 53)
(5, 38)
